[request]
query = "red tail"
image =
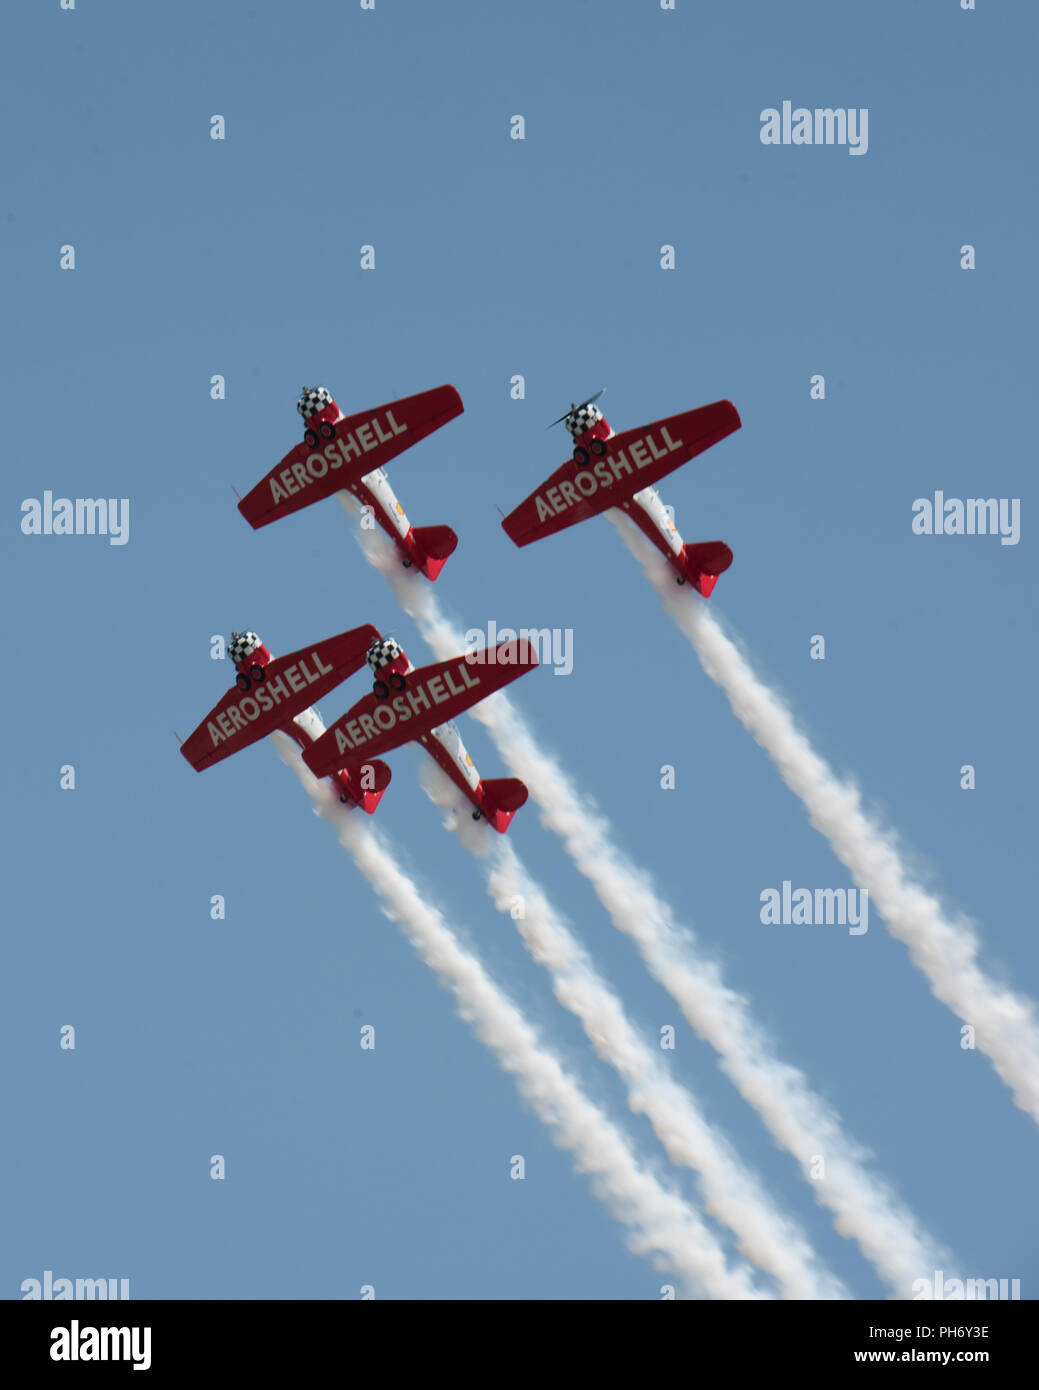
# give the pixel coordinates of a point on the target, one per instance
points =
(364, 783)
(704, 562)
(500, 799)
(430, 547)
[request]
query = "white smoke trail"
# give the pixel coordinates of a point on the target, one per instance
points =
(729, 1191)
(663, 1226)
(1004, 1023)
(864, 1207)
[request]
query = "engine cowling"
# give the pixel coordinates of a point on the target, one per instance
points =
(314, 401)
(245, 649)
(581, 420)
(383, 653)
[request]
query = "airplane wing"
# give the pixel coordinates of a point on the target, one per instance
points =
(362, 443)
(290, 685)
(432, 696)
(633, 460)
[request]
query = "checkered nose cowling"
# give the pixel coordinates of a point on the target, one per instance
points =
(312, 400)
(242, 645)
(381, 653)
(582, 420)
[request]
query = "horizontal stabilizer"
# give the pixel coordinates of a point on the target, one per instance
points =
(501, 798)
(364, 783)
(431, 546)
(704, 562)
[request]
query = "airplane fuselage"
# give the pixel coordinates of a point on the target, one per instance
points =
(653, 519)
(374, 492)
(645, 508)
(445, 746)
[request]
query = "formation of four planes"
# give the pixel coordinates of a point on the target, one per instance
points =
(348, 453)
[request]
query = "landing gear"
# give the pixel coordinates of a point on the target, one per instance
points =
(258, 673)
(326, 429)
(344, 798)
(598, 448)
(580, 457)
(477, 815)
(397, 681)
(381, 690)
(242, 681)
(680, 580)
(406, 564)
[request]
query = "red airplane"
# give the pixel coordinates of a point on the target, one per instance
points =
(619, 470)
(406, 705)
(270, 694)
(348, 453)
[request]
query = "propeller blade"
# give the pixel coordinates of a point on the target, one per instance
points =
(574, 407)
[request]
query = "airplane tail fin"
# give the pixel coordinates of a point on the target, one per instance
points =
(364, 784)
(704, 562)
(501, 798)
(430, 547)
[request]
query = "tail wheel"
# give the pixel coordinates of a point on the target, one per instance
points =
(242, 681)
(598, 448)
(477, 815)
(381, 690)
(311, 438)
(580, 457)
(344, 798)
(407, 564)
(328, 429)
(258, 674)
(397, 681)
(680, 580)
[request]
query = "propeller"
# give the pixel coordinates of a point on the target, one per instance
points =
(574, 406)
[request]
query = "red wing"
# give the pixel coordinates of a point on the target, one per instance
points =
(633, 460)
(433, 695)
(535, 516)
(291, 684)
(362, 443)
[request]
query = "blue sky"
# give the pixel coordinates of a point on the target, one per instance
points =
(497, 257)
